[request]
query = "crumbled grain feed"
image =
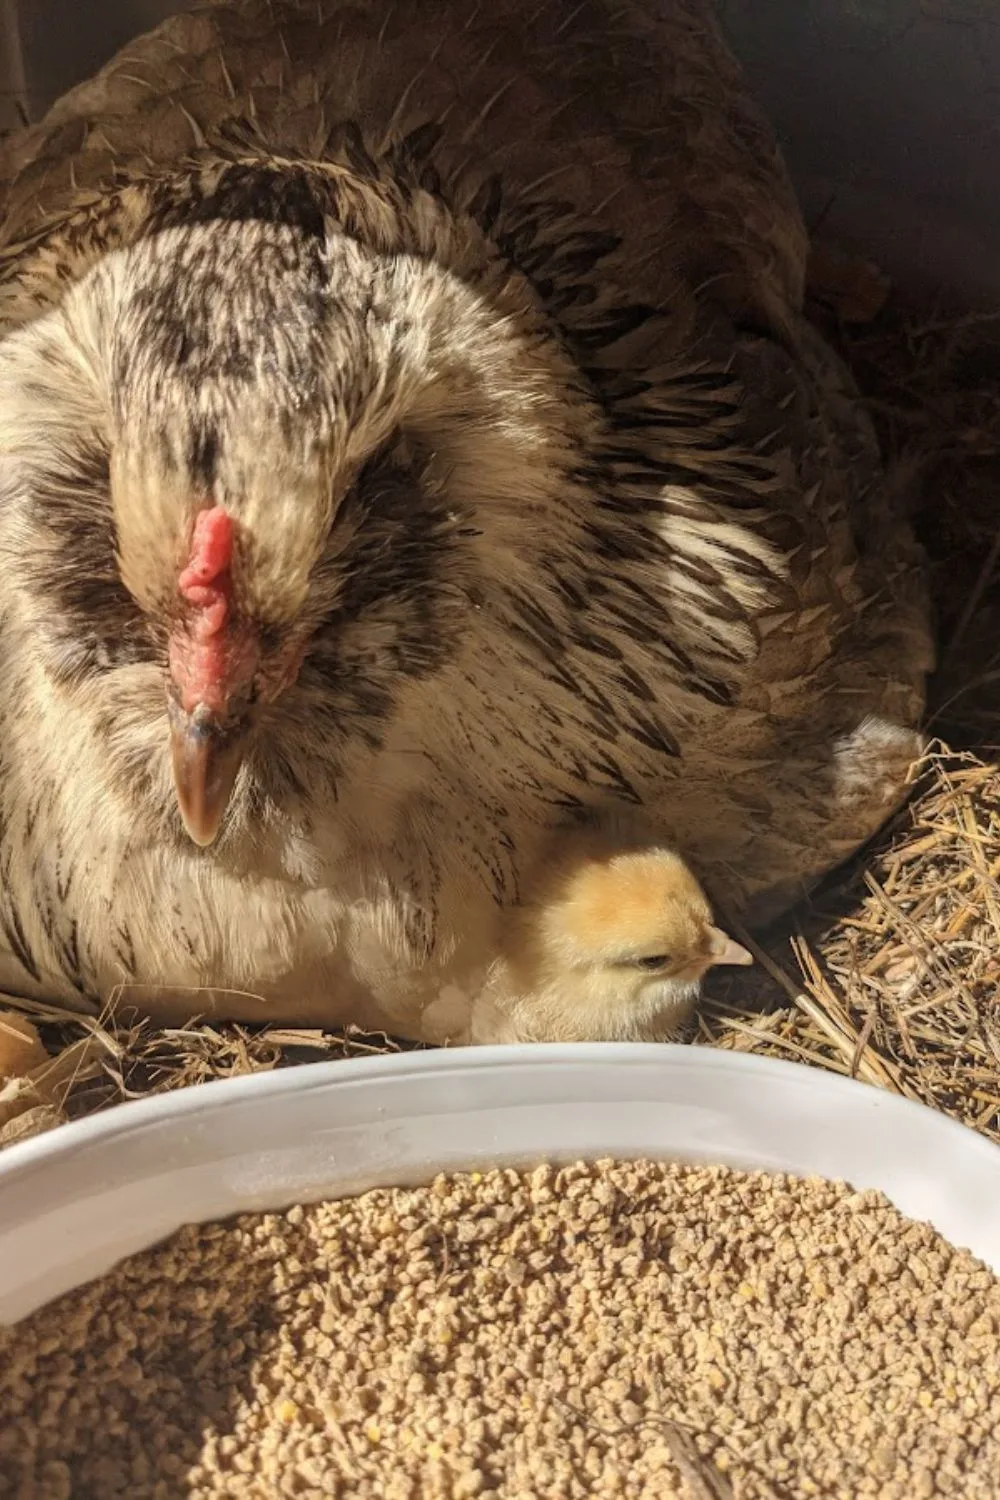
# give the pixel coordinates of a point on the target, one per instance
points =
(625, 1329)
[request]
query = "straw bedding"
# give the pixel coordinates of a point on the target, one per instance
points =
(890, 973)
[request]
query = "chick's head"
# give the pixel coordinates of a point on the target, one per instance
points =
(614, 946)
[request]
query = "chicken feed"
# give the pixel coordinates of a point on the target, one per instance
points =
(624, 1329)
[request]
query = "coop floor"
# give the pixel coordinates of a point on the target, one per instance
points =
(891, 972)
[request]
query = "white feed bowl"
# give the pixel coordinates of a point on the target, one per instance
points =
(76, 1201)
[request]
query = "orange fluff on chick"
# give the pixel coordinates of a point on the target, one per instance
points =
(610, 941)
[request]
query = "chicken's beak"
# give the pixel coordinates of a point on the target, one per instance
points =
(207, 755)
(724, 950)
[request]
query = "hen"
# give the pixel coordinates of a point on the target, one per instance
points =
(409, 438)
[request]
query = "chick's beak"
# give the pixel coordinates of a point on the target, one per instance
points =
(724, 950)
(207, 754)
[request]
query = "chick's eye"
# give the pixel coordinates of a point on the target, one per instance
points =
(655, 961)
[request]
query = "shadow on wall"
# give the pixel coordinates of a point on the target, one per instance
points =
(889, 113)
(888, 110)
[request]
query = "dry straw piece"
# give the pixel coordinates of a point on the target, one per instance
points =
(635, 1330)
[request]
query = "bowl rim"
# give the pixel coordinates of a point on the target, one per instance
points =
(79, 1199)
(130, 1115)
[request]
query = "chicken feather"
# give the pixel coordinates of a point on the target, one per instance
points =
(485, 332)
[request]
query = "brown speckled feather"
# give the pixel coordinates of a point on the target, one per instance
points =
(641, 121)
(665, 570)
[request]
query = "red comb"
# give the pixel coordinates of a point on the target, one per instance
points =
(211, 550)
(205, 585)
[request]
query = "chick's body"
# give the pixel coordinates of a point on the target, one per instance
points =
(473, 336)
(612, 938)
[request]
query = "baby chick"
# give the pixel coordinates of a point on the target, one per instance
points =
(610, 942)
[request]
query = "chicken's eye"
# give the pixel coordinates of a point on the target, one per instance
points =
(653, 962)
